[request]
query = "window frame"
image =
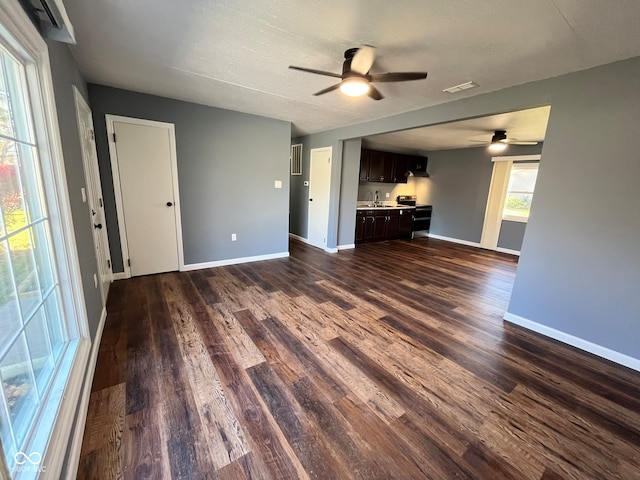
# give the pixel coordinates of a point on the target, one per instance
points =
(521, 165)
(21, 37)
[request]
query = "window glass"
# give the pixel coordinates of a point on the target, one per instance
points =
(522, 182)
(33, 333)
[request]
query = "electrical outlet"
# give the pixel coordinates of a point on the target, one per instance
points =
(278, 184)
(386, 195)
(233, 237)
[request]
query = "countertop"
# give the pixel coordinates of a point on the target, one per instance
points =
(389, 206)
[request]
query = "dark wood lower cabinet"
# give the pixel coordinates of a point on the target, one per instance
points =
(383, 224)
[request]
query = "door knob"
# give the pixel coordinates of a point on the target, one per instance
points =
(98, 226)
(311, 199)
(169, 204)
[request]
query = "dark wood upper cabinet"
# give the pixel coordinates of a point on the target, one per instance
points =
(401, 168)
(381, 166)
(389, 167)
(418, 164)
(365, 158)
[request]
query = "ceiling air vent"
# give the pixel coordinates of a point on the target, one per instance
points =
(53, 19)
(461, 87)
(296, 159)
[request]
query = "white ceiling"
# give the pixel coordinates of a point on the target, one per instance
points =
(525, 125)
(234, 54)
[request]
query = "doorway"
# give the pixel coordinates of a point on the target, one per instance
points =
(93, 195)
(319, 192)
(145, 177)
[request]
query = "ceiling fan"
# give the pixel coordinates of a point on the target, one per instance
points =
(500, 141)
(356, 79)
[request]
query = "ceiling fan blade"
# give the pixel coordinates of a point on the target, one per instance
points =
(520, 142)
(363, 60)
(374, 93)
(317, 72)
(328, 89)
(398, 76)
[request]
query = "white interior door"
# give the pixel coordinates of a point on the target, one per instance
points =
(319, 190)
(94, 195)
(148, 187)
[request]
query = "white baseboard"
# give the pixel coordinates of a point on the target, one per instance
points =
(508, 251)
(304, 240)
(574, 341)
(454, 240)
(346, 247)
(83, 405)
(233, 261)
(120, 276)
(299, 238)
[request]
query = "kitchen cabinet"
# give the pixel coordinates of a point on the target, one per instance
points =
(381, 166)
(379, 224)
(405, 223)
(388, 167)
(376, 166)
(401, 168)
(365, 159)
(418, 164)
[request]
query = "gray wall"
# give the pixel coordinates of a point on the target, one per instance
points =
(511, 235)
(227, 164)
(349, 191)
(65, 74)
(579, 271)
(459, 187)
(299, 197)
(580, 261)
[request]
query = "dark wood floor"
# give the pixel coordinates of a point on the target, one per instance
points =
(387, 361)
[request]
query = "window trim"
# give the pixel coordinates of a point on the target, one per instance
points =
(27, 42)
(520, 164)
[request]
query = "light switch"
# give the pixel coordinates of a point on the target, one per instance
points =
(278, 184)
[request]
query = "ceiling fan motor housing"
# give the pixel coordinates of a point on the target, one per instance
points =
(499, 136)
(346, 65)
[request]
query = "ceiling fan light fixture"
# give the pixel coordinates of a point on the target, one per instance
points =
(354, 86)
(498, 146)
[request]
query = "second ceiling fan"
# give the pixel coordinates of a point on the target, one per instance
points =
(356, 79)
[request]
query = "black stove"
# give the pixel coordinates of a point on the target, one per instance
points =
(421, 215)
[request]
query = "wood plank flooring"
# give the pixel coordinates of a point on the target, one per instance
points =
(388, 361)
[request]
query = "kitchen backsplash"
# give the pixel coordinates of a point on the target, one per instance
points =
(414, 186)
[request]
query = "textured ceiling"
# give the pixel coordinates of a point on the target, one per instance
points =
(234, 54)
(526, 125)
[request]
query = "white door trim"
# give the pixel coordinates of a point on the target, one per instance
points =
(113, 155)
(90, 184)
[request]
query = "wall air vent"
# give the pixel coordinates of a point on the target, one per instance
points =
(53, 20)
(296, 159)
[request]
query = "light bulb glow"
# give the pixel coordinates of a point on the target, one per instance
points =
(497, 146)
(354, 86)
